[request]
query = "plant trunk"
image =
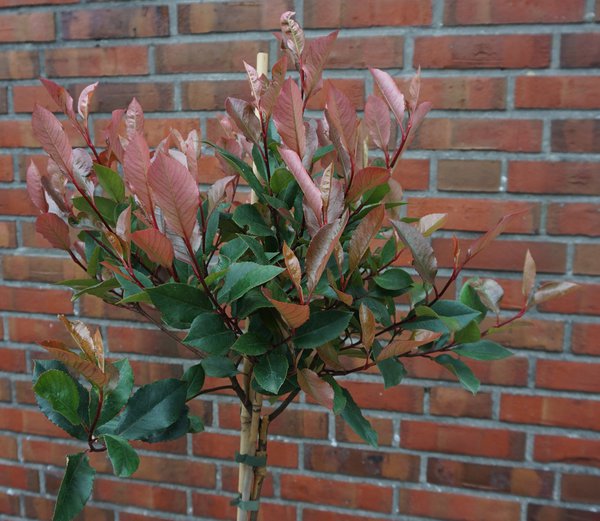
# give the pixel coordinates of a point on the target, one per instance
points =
(253, 442)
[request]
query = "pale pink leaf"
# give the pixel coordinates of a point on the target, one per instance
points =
(377, 120)
(54, 230)
(390, 92)
(431, 222)
(489, 292)
(363, 235)
(61, 97)
(134, 119)
(529, 272)
(294, 270)
(51, 135)
(367, 179)
(35, 189)
(258, 83)
(135, 166)
(416, 119)
(341, 116)
(176, 193)
(293, 34)
(424, 260)
(315, 387)
(414, 89)
(288, 117)
(489, 236)
(85, 98)
(155, 244)
(242, 113)
(271, 94)
(550, 290)
(312, 195)
(124, 225)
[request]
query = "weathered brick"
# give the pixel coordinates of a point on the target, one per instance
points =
(581, 301)
(469, 176)
(97, 61)
(580, 50)
(479, 134)
(574, 451)
(37, 507)
(383, 427)
(487, 12)
(457, 439)
(576, 135)
(39, 269)
(542, 335)
(363, 52)
(544, 177)
(550, 410)
(97, 24)
(512, 480)
(584, 339)
(6, 168)
(587, 259)
(450, 401)
(581, 488)
(211, 17)
(27, 27)
(482, 51)
(552, 513)
(567, 375)
(8, 234)
(573, 219)
(353, 13)
(560, 92)
(140, 495)
(19, 65)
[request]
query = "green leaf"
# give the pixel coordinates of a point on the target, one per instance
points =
(209, 333)
(243, 276)
(107, 208)
(75, 488)
(249, 303)
(59, 389)
(280, 179)
(391, 369)
(179, 428)
(153, 407)
(219, 366)
(321, 327)
(179, 303)
(124, 459)
(194, 378)
(469, 333)
(195, 424)
(469, 297)
(424, 260)
(461, 371)
(116, 398)
(459, 314)
(111, 182)
(483, 350)
(248, 217)
(271, 371)
(359, 424)
(394, 279)
(243, 168)
(250, 344)
(98, 290)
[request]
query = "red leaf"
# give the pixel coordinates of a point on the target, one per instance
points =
(51, 135)
(313, 60)
(312, 195)
(113, 136)
(176, 193)
(363, 235)
(319, 250)
(271, 94)
(292, 265)
(366, 179)
(134, 119)
(315, 387)
(413, 91)
(489, 236)
(84, 367)
(341, 116)
(416, 118)
(288, 117)
(35, 188)
(155, 244)
(424, 260)
(400, 347)
(60, 96)
(136, 164)
(390, 92)
(258, 83)
(293, 34)
(83, 104)
(54, 230)
(294, 314)
(367, 325)
(242, 113)
(377, 120)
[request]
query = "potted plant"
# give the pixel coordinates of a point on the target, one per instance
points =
(318, 276)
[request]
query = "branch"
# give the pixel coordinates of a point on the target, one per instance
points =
(283, 406)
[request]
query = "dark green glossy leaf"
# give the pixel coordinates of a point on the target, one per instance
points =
(111, 182)
(469, 333)
(392, 370)
(321, 327)
(209, 333)
(271, 371)
(483, 350)
(459, 314)
(424, 260)
(179, 303)
(249, 218)
(194, 378)
(219, 366)
(117, 397)
(243, 276)
(461, 371)
(469, 297)
(250, 344)
(280, 179)
(179, 428)
(59, 390)
(75, 488)
(394, 279)
(359, 424)
(124, 459)
(242, 168)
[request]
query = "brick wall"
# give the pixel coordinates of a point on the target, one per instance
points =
(516, 91)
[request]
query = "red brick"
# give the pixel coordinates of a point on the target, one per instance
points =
(469, 176)
(540, 335)
(574, 219)
(21, 3)
(477, 214)
(580, 50)
(97, 61)
(16, 202)
(155, 129)
(144, 341)
(32, 330)
(139, 495)
(568, 376)
(91, 306)
(457, 439)
(123, 516)
(564, 92)
(583, 301)
(39, 269)
(363, 52)
(229, 481)
(8, 447)
(6, 169)
(576, 135)
(16, 133)
(575, 451)
(322, 515)
(450, 401)
(405, 398)
(41, 508)
(216, 56)
(219, 507)
(506, 255)
(9, 504)
(12, 360)
(214, 17)
(223, 446)
(482, 51)
(580, 488)
(382, 426)
(19, 65)
(550, 410)
(354, 89)
(541, 177)
(5, 392)
(361, 462)
(35, 300)
(512, 480)
(27, 27)
(341, 494)
(366, 13)
(211, 95)
(587, 259)
(8, 234)
(510, 371)
(147, 372)
(25, 421)
(507, 135)
(3, 106)
(19, 477)
(584, 340)
(412, 174)
(98, 24)
(486, 12)
(295, 423)
(550, 513)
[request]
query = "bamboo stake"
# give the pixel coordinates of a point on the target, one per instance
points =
(250, 423)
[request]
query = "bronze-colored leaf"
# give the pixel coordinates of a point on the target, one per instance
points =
(401, 346)
(315, 387)
(529, 272)
(424, 260)
(553, 289)
(292, 265)
(367, 325)
(82, 336)
(84, 367)
(294, 314)
(363, 235)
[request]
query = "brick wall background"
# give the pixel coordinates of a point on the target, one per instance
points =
(516, 90)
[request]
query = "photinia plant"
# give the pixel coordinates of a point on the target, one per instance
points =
(315, 277)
